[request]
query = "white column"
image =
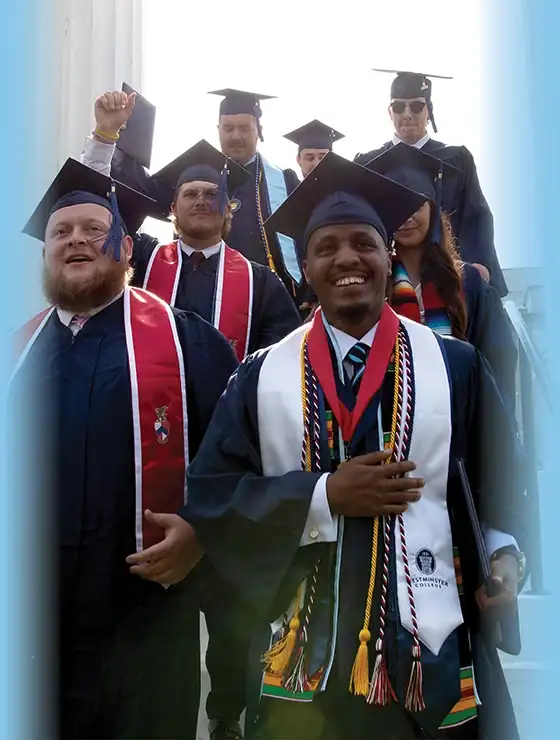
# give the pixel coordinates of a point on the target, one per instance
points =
(98, 45)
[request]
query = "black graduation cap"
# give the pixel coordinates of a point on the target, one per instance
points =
(417, 170)
(314, 135)
(137, 138)
(339, 191)
(77, 183)
(408, 85)
(201, 162)
(413, 168)
(240, 101)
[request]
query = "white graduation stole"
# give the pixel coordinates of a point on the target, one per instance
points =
(427, 525)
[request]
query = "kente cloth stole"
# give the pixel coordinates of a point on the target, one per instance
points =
(405, 302)
(285, 673)
(159, 404)
(233, 292)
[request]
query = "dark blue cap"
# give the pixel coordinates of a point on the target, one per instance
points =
(341, 192)
(76, 184)
(314, 135)
(413, 168)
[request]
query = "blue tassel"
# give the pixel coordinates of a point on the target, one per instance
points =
(113, 242)
(431, 115)
(438, 187)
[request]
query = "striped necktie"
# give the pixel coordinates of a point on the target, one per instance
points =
(355, 361)
(77, 322)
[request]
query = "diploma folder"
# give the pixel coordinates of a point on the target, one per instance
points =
(504, 634)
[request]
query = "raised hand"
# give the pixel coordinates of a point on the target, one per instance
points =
(112, 110)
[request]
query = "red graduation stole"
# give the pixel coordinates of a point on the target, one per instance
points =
(159, 405)
(233, 295)
(374, 374)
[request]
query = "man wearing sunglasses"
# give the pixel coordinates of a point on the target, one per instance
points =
(411, 110)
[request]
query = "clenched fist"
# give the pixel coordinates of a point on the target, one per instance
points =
(112, 110)
(368, 486)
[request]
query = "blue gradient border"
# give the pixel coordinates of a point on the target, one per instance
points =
(521, 133)
(542, 29)
(22, 702)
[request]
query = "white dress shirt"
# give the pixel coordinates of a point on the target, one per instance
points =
(321, 525)
(208, 252)
(419, 144)
(67, 316)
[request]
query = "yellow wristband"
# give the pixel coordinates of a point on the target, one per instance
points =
(108, 137)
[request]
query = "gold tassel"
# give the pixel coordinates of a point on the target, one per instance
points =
(359, 678)
(278, 657)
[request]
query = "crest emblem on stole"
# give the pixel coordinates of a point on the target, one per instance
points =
(162, 425)
(235, 204)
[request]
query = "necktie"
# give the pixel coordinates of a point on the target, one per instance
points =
(355, 361)
(77, 322)
(196, 259)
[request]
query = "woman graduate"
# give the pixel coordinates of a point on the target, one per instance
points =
(366, 578)
(430, 283)
(123, 389)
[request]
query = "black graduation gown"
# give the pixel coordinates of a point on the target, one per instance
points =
(490, 331)
(129, 651)
(245, 235)
(251, 527)
(464, 201)
(274, 313)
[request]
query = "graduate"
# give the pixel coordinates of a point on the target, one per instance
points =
(314, 140)
(128, 386)
(430, 283)
(199, 272)
(239, 131)
(411, 109)
(327, 490)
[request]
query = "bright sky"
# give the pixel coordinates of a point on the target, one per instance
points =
(316, 57)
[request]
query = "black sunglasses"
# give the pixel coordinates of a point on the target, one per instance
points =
(416, 106)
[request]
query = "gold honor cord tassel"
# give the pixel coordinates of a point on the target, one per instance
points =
(360, 684)
(261, 220)
(278, 656)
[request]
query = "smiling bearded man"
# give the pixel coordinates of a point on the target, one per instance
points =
(128, 387)
(327, 490)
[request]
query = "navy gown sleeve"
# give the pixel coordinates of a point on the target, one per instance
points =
(277, 313)
(144, 245)
(128, 171)
(250, 525)
(489, 330)
(291, 179)
(495, 462)
(209, 363)
(473, 224)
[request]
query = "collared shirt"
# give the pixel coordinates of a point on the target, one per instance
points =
(67, 316)
(207, 252)
(419, 144)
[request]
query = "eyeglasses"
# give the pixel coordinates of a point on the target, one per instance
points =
(415, 106)
(192, 194)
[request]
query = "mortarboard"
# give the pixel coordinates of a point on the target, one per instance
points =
(314, 135)
(339, 192)
(239, 101)
(417, 170)
(75, 184)
(201, 162)
(407, 85)
(137, 138)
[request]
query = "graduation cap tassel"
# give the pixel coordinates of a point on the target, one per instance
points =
(431, 115)
(222, 194)
(112, 244)
(438, 187)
